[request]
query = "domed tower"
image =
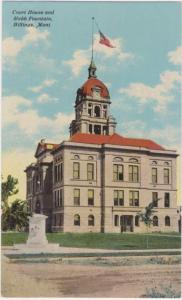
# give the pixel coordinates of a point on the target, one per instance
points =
(92, 107)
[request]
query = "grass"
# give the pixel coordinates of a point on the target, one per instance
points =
(162, 292)
(103, 261)
(115, 241)
(99, 255)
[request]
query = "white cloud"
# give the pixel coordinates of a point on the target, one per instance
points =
(134, 128)
(46, 98)
(117, 51)
(11, 46)
(175, 56)
(29, 121)
(11, 106)
(45, 83)
(167, 136)
(81, 57)
(160, 93)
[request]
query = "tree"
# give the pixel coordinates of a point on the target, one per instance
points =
(8, 189)
(18, 215)
(14, 216)
(146, 216)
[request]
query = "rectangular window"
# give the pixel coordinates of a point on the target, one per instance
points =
(118, 198)
(134, 198)
(76, 170)
(133, 173)
(61, 220)
(58, 173)
(166, 176)
(90, 197)
(118, 172)
(58, 197)
(166, 200)
(55, 198)
(90, 171)
(61, 198)
(76, 195)
(154, 175)
(155, 198)
(116, 220)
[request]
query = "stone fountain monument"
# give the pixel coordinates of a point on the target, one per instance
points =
(37, 241)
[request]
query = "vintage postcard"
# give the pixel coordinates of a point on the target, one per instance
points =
(91, 116)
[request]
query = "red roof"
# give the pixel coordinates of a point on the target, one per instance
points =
(94, 82)
(114, 139)
(45, 147)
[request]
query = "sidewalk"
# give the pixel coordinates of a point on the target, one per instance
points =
(69, 250)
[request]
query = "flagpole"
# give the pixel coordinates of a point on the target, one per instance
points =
(93, 37)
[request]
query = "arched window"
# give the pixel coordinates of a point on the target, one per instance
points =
(76, 157)
(167, 221)
(155, 221)
(76, 220)
(118, 159)
(137, 220)
(90, 128)
(97, 129)
(90, 220)
(116, 220)
(133, 160)
(90, 158)
(97, 111)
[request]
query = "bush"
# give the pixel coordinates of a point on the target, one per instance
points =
(164, 292)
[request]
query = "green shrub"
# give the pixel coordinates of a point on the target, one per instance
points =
(164, 292)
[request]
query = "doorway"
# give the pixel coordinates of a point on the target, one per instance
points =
(126, 223)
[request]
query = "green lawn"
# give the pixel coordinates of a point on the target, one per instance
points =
(102, 240)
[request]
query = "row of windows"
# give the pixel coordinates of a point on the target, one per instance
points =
(35, 184)
(155, 176)
(58, 198)
(156, 199)
(91, 220)
(58, 173)
(118, 173)
(76, 197)
(96, 111)
(155, 221)
(118, 198)
(90, 171)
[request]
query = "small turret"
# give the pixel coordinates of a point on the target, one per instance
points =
(92, 70)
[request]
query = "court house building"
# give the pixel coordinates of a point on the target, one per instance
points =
(99, 180)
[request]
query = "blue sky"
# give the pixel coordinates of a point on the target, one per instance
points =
(43, 68)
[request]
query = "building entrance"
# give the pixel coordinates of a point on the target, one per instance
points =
(126, 223)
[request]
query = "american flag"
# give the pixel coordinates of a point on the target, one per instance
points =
(105, 41)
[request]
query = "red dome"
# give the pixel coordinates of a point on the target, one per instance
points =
(88, 86)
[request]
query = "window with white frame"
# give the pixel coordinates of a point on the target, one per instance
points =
(154, 175)
(118, 198)
(133, 173)
(166, 176)
(90, 171)
(90, 197)
(76, 170)
(118, 172)
(134, 198)
(155, 198)
(76, 195)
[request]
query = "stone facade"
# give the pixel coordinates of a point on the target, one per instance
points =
(98, 181)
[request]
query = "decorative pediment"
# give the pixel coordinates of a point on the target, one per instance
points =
(40, 149)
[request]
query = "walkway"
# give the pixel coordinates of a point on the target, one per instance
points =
(69, 250)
